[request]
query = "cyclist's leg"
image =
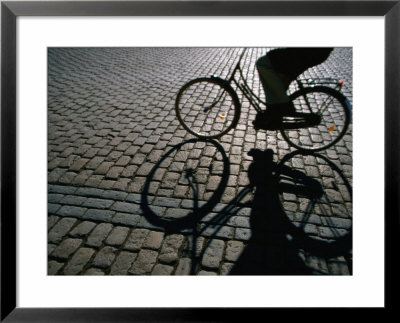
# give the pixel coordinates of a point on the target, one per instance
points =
(279, 67)
(274, 87)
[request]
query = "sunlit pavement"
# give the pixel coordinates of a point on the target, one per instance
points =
(132, 193)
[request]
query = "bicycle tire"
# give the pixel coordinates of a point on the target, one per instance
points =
(207, 107)
(334, 110)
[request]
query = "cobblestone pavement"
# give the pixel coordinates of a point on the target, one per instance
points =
(130, 192)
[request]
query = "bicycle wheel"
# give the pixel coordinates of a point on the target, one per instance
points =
(207, 107)
(333, 109)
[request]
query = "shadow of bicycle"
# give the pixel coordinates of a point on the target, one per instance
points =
(293, 220)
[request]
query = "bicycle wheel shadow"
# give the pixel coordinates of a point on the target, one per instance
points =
(279, 245)
(188, 221)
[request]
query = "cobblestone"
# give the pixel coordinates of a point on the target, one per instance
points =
(66, 248)
(117, 236)
(60, 229)
(213, 255)
(82, 229)
(123, 263)
(112, 121)
(136, 239)
(99, 234)
(54, 267)
(104, 257)
(144, 263)
(162, 270)
(154, 240)
(78, 261)
(170, 249)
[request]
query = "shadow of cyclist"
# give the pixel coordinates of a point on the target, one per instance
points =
(276, 245)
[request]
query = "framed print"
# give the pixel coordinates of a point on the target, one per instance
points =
(141, 158)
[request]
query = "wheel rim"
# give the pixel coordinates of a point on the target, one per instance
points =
(334, 121)
(205, 108)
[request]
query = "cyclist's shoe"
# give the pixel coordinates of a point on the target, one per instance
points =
(300, 120)
(267, 121)
(271, 119)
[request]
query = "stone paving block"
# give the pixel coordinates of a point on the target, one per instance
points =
(54, 198)
(317, 265)
(60, 229)
(144, 263)
(233, 250)
(50, 248)
(167, 202)
(126, 207)
(51, 221)
(226, 268)
(154, 240)
(193, 246)
(78, 164)
(115, 195)
(66, 248)
(338, 266)
(146, 224)
(114, 172)
(126, 219)
(170, 248)
(69, 210)
(82, 229)
(61, 189)
(136, 239)
(223, 232)
(175, 213)
(54, 267)
(99, 215)
(207, 273)
(242, 234)
(117, 236)
(123, 263)
(135, 198)
(239, 221)
(89, 192)
(73, 200)
(53, 208)
(97, 203)
(55, 175)
(213, 254)
(95, 162)
(94, 272)
(162, 270)
(78, 261)
(184, 267)
(104, 257)
(99, 234)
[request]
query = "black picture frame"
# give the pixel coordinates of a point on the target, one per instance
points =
(10, 10)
